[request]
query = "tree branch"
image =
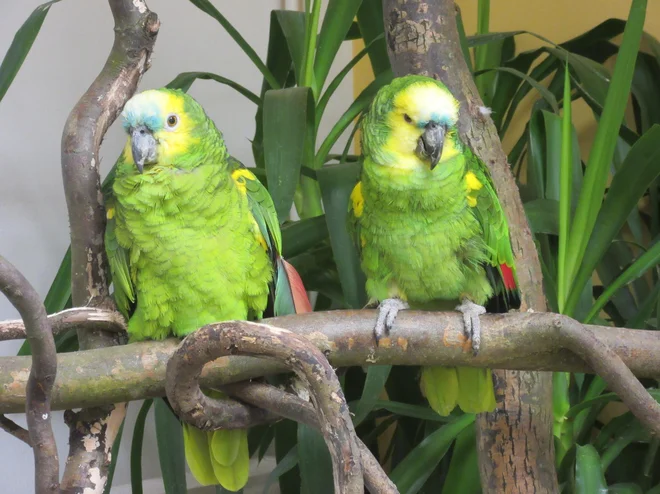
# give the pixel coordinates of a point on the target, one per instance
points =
(521, 341)
(135, 34)
(292, 407)
(92, 319)
(422, 38)
(295, 352)
(15, 430)
(41, 377)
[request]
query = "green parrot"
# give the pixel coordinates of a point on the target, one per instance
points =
(429, 227)
(192, 238)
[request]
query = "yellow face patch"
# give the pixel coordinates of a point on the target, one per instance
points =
(357, 200)
(423, 102)
(413, 108)
(174, 139)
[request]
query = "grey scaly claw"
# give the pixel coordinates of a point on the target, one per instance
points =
(387, 312)
(471, 313)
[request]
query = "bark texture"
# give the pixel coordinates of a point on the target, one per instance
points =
(40, 378)
(518, 341)
(422, 38)
(296, 353)
(93, 431)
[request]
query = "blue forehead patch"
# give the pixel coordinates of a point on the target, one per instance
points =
(148, 116)
(435, 117)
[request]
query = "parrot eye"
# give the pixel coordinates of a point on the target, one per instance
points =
(172, 121)
(407, 118)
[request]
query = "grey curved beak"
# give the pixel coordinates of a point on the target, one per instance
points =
(431, 143)
(143, 147)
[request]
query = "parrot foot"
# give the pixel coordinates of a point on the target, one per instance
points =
(471, 313)
(387, 312)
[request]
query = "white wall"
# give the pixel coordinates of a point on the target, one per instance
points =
(67, 55)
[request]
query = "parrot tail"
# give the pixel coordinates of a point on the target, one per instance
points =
(218, 457)
(290, 294)
(470, 388)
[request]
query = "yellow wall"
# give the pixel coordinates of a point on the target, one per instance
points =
(558, 21)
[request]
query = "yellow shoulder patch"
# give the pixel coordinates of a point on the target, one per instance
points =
(257, 232)
(472, 183)
(110, 213)
(240, 175)
(357, 200)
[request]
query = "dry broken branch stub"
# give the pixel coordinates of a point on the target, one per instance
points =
(41, 376)
(136, 29)
(422, 38)
(293, 351)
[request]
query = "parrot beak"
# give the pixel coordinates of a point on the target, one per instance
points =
(431, 143)
(143, 147)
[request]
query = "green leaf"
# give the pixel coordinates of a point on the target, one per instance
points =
(311, 37)
(604, 142)
(359, 105)
(136, 447)
(373, 387)
(169, 436)
(543, 91)
(640, 168)
(337, 182)
(289, 461)
(408, 410)
(207, 7)
(314, 462)
(413, 471)
(370, 20)
(286, 433)
(336, 23)
(300, 236)
(624, 489)
(463, 39)
(589, 478)
(463, 474)
(292, 25)
(646, 261)
(20, 46)
(115, 456)
(334, 84)
(633, 432)
(185, 79)
(543, 216)
(565, 189)
(288, 116)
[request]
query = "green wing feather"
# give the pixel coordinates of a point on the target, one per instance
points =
(288, 293)
(490, 215)
(124, 288)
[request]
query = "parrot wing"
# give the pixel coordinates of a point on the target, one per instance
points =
(124, 287)
(288, 292)
(486, 207)
(355, 208)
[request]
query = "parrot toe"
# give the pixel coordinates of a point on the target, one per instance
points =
(388, 309)
(471, 313)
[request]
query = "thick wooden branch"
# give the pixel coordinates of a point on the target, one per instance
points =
(422, 38)
(135, 34)
(292, 407)
(93, 319)
(41, 376)
(293, 351)
(519, 341)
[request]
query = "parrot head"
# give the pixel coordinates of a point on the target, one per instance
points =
(163, 125)
(418, 117)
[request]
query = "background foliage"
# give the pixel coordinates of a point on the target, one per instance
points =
(596, 221)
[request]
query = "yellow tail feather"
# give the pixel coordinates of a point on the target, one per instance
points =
(470, 388)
